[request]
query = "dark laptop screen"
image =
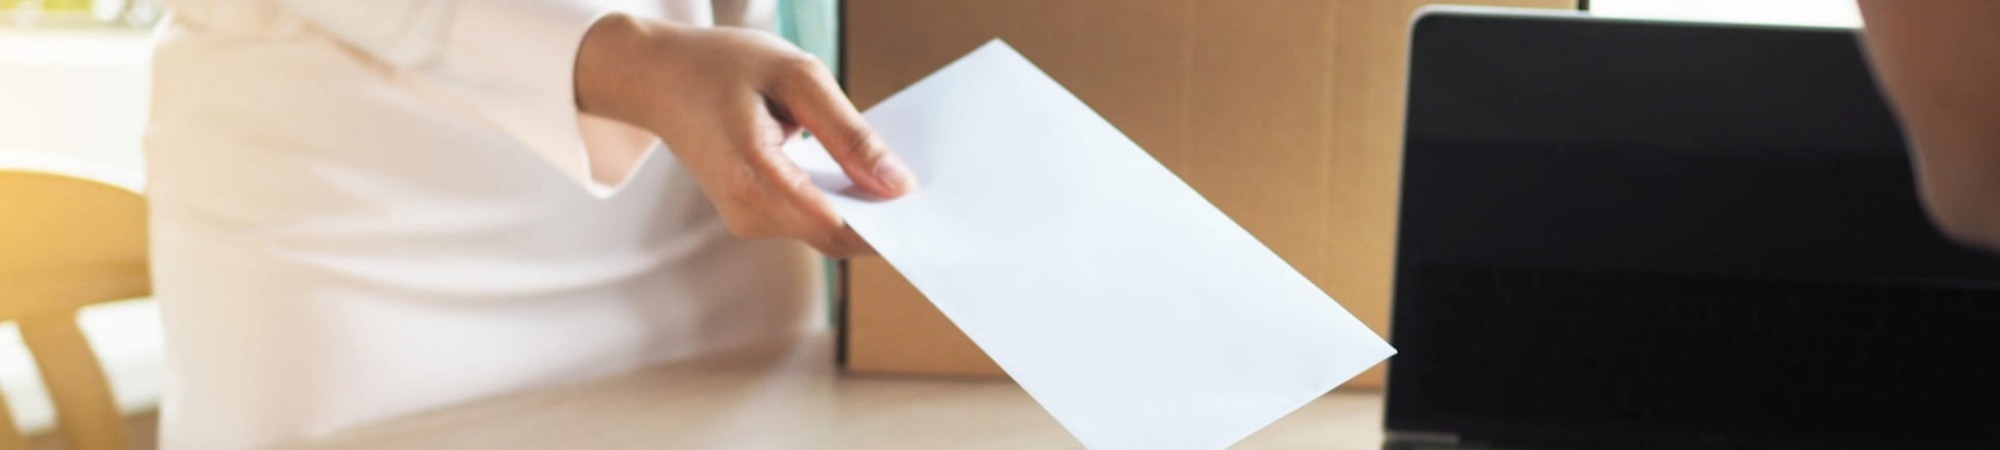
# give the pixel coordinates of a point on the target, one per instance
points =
(1653, 235)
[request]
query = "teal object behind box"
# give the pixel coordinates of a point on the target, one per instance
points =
(814, 25)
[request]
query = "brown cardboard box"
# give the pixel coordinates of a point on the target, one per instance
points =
(1287, 114)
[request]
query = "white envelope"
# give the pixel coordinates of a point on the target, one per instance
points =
(1137, 313)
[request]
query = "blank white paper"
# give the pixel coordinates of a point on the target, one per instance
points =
(1133, 310)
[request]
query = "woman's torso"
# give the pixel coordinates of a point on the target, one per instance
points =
(336, 243)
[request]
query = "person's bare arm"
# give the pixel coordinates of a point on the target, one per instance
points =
(724, 100)
(1938, 61)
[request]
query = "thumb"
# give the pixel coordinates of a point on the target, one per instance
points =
(809, 95)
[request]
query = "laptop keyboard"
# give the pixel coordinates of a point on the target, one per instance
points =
(1701, 353)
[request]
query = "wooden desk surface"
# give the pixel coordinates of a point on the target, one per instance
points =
(787, 396)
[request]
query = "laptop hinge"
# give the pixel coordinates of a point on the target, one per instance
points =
(1423, 437)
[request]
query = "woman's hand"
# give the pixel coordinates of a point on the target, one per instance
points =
(724, 101)
(1935, 62)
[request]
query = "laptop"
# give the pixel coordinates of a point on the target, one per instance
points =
(1632, 234)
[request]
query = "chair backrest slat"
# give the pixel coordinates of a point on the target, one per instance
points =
(68, 239)
(85, 409)
(10, 435)
(55, 290)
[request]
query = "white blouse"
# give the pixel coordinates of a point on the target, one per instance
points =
(367, 208)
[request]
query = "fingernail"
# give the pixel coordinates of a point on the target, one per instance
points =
(892, 173)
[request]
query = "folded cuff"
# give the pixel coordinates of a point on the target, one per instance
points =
(515, 61)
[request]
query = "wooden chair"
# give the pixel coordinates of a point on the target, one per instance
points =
(71, 235)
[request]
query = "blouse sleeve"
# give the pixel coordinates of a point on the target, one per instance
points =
(512, 61)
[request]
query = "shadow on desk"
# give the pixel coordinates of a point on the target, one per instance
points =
(788, 396)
